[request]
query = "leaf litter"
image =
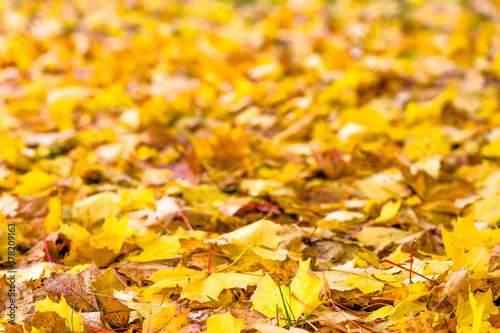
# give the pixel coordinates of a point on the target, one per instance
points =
(250, 166)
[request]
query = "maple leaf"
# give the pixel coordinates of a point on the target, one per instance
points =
(77, 288)
(53, 310)
(306, 288)
(224, 323)
(208, 155)
(168, 319)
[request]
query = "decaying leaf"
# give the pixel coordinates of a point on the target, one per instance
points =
(57, 316)
(76, 288)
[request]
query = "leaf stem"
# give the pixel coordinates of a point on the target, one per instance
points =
(116, 273)
(47, 250)
(320, 314)
(194, 320)
(185, 220)
(406, 269)
(411, 257)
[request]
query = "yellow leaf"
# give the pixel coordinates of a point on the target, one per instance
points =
(112, 235)
(473, 314)
(224, 323)
(35, 182)
(477, 313)
(140, 198)
(380, 236)
(62, 102)
(201, 289)
(54, 219)
(169, 319)
(204, 194)
(304, 287)
(61, 111)
(199, 286)
(260, 233)
(389, 210)
(11, 152)
(156, 248)
(97, 206)
(267, 254)
(73, 319)
(486, 209)
(260, 187)
(78, 268)
(395, 313)
(172, 277)
(476, 261)
(74, 231)
(492, 149)
(464, 238)
(380, 313)
(365, 285)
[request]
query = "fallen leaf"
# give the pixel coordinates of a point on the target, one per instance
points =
(224, 323)
(169, 319)
(77, 288)
(72, 320)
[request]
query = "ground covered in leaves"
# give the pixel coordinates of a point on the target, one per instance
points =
(187, 166)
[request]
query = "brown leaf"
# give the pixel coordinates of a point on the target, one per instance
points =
(50, 321)
(75, 288)
(16, 328)
(57, 244)
(190, 329)
(251, 317)
(115, 313)
(284, 271)
(141, 271)
(331, 164)
(93, 320)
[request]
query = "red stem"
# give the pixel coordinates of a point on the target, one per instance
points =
(355, 324)
(185, 220)
(116, 273)
(340, 311)
(47, 250)
(496, 325)
(194, 320)
(320, 314)
(411, 257)
(164, 294)
(406, 269)
(40, 220)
